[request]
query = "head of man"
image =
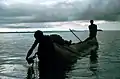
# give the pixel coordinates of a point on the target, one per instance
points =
(91, 21)
(38, 35)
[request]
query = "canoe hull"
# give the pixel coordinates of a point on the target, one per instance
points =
(73, 52)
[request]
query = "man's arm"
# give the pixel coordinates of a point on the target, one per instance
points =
(31, 49)
(99, 30)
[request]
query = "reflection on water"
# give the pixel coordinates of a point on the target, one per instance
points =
(10, 71)
(93, 61)
(94, 64)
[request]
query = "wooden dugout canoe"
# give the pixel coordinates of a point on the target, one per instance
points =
(76, 50)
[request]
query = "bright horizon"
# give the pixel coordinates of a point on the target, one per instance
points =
(65, 26)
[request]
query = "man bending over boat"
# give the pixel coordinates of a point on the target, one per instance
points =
(46, 55)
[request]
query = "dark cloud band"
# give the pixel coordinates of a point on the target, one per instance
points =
(62, 11)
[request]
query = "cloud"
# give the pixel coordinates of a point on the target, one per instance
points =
(36, 11)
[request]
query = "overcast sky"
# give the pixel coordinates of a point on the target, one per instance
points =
(35, 11)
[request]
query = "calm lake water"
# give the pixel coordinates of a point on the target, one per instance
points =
(14, 47)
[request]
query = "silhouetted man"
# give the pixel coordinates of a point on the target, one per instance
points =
(46, 55)
(92, 30)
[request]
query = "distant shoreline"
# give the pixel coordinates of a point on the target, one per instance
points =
(61, 31)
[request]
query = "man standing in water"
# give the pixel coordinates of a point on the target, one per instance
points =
(92, 29)
(93, 55)
(46, 55)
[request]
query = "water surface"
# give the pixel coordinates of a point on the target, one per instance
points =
(14, 47)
